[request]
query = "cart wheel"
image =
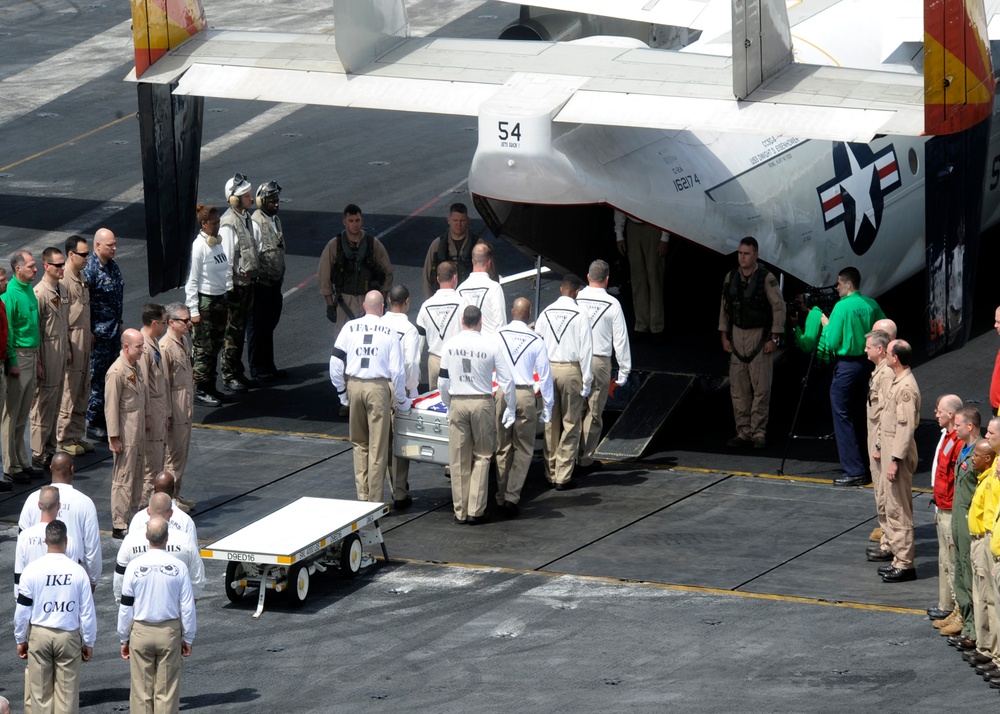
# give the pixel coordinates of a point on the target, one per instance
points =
(298, 583)
(351, 555)
(235, 571)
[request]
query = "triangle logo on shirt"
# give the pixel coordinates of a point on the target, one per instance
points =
(441, 316)
(516, 343)
(474, 296)
(559, 320)
(595, 309)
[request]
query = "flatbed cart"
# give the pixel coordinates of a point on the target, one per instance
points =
(284, 549)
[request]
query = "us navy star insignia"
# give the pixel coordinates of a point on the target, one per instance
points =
(856, 194)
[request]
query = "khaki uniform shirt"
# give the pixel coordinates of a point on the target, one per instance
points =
(78, 320)
(156, 388)
(878, 392)
(125, 402)
(180, 379)
(899, 420)
(53, 308)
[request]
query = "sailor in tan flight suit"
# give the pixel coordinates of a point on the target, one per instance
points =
(125, 413)
(898, 454)
(76, 387)
(154, 324)
(53, 350)
(175, 348)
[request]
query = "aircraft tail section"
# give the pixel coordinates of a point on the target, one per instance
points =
(365, 31)
(762, 43)
(160, 25)
(958, 70)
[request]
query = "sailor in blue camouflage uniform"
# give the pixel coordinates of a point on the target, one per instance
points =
(107, 301)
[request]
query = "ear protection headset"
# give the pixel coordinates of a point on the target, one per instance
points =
(267, 189)
(234, 185)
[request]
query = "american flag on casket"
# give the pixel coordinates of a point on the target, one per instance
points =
(431, 401)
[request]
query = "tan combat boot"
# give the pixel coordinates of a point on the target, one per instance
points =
(876, 535)
(952, 628)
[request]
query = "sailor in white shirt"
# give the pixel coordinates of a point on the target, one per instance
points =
(610, 333)
(367, 371)
(527, 356)
(412, 345)
(482, 291)
(440, 318)
(156, 623)
(179, 520)
(566, 331)
(76, 510)
(466, 382)
(182, 546)
(209, 281)
(31, 543)
(55, 625)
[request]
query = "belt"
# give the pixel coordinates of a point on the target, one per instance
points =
(977, 536)
(529, 387)
(367, 379)
(573, 362)
(472, 396)
(211, 297)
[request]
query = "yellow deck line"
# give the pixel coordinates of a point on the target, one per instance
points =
(703, 590)
(75, 139)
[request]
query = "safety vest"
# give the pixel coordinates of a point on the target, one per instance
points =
(748, 308)
(356, 272)
(272, 249)
(245, 264)
(463, 261)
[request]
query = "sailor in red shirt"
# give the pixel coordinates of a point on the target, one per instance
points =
(995, 381)
(943, 482)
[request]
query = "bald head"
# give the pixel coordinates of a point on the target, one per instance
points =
(103, 235)
(160, 504)
(521, 309)
(887, 326)
(61, 467)
(950, 402)
(156, 532)
(374, 303)
(163, 482)
(482, 254)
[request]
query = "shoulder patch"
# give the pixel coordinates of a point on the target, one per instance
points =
(905, 396)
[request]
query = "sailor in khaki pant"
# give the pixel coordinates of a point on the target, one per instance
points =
(565, 328)
(876, 343)
(53, 308)
(411, 344)
(22, 365)
(527, 356)
(440, 318)
(897, 451)
(76, 388)
(367, 371)
(982, 521)
(154, 324)
(610, 334)
(125, 413)
(646, 246)
(157, 623)
(177, 367)
(468, 362)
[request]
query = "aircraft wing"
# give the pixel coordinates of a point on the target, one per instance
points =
(598, 84)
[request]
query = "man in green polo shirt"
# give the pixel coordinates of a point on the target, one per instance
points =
(22, 366)
(844, 336)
